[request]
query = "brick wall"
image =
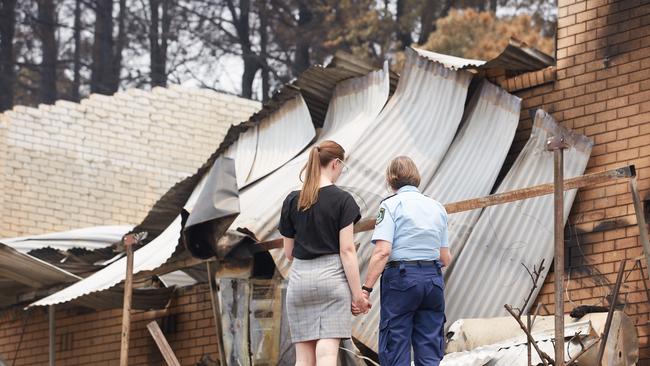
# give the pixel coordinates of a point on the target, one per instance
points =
(601, 89)
(93, 338)
(106, 160)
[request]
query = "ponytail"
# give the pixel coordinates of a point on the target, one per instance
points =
(319, 156)
(309, 192)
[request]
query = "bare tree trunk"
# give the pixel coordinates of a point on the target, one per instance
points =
(427, 17)
(264, 40)
(7, 62)
(403, 30)
(158, 41)
(493, 5)
(154, 53)
(46, 29)
(117, 55)
(101, 70)
(251, 63)
(76, 81)
(301, 59)
(164, 37)
(446, 6)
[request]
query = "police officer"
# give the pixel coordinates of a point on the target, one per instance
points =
(411, 247)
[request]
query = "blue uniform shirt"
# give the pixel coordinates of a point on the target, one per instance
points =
(414, 224)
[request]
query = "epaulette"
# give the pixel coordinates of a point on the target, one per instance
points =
(392, 195)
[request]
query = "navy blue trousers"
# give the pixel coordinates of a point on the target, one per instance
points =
(412, 314)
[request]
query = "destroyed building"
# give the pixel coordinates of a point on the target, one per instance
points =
(468, 126)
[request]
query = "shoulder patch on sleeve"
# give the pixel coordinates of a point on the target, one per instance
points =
(380, 216)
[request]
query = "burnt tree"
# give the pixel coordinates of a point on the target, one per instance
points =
(46, 32)
(158, 40)
(7, 70)
(107, 53)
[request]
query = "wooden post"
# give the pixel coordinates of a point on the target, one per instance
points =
(216, 312)
(610, 313)
(129, 240)
(163, 345)
(52, 334)
(640, 219)
(529, 325)
(557, 145)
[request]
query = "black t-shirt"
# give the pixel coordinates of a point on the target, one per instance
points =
(316, 230)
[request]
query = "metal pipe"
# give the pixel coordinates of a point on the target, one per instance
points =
(52, 334)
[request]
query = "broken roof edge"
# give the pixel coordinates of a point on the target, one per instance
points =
(545, 121)
(315, 85)
(517, 57)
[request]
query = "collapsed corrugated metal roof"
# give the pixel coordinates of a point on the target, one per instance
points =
(79, 251)
(21, 273)
(496, 248)
(501, 342)
(468, 169)
(89, 238)
(262, 148)
(355, 104)
(420, 120)
(315, 85)
(516, 57)
(514, 351)
(150, 256)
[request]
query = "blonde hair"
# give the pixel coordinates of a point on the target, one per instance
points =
(402, 172)
(319, 156)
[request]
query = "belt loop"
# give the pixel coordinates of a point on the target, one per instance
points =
(402, 268)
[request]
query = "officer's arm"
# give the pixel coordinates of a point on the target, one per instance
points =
(377, 262)
(288, 247)
(445, 256)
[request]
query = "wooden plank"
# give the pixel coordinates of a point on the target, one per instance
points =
(163, 345)
(235, 304)
(126, 309)
(216, 313)
(640, 220)
(265, 320)
(505, 197)
(52, 334)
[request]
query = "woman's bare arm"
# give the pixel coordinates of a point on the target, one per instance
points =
(288, 247)
(350, 264)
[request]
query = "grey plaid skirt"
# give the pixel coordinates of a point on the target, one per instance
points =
(318, 299)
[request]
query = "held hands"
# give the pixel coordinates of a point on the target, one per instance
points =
(361, 304)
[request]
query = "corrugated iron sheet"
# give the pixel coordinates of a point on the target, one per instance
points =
(514, 351)
(266, 146)
(90, 238)
(355, 104)
(315, 85)
(472, 164)
(164, 221)
(420, 120)
(147, 258)
(516, 57)
(21, 273)
(505, 236)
